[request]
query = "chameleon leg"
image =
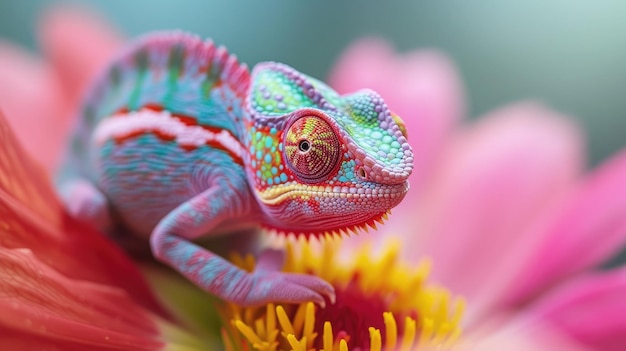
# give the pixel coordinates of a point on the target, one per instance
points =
(170, 242)
(85, 202)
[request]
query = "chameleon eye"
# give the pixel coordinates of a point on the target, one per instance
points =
(312, 148)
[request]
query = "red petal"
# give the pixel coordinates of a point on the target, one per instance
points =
(34, 219)
(39, 302)
(50, 261)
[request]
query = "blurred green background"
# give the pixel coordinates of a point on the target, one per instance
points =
(569, 54)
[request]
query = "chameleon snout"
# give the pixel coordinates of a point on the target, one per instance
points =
(372, 170)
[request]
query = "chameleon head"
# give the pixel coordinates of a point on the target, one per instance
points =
(320, 162)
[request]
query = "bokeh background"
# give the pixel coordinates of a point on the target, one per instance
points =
(569, 54)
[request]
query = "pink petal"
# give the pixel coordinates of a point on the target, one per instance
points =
(31, 94)
(590, 230)
(422, 87)
(43, 97)
(32, 217)
(509, 338)
(489, 203)
(590, 309)
(79, 45)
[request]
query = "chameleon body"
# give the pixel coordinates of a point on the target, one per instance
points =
(179, 141)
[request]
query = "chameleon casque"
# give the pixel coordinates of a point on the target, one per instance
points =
(179, 141)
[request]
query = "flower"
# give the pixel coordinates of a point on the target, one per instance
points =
(502, 205)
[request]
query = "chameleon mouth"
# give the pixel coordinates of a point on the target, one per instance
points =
(329, 233)
(278, 194)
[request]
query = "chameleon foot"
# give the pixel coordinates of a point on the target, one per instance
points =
(269, 284)
(266, 287)
(87, 203)
(221, 278)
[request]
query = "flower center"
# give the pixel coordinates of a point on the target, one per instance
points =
(380, 304)
(352, 314)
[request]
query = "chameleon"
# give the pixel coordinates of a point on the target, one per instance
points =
(177, 141)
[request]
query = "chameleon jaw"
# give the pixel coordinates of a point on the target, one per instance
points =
(329, 233)
(278, 194)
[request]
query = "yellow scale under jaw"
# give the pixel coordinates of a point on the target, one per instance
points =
(279, 193)
(277, 327)
(330, 234)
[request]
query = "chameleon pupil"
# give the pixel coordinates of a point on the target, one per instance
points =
(304, 146)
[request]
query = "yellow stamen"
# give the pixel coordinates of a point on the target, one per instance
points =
(338, 342)
(343, 345)
(260, 328)
(295, 344)
(375, 340)
(248, 332)
(271, 322)
(328, 336)
(298, 320)
(309, 324)
(391, 331)
(403, 290)
(409, 334)
(427, 331)
(284, 321)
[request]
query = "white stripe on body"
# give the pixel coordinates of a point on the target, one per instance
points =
(123, 125)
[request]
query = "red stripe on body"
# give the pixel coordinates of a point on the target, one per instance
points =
(185, 119)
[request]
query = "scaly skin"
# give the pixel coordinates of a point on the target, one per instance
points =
(178, 141)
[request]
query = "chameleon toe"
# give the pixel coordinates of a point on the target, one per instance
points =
(314, 283)
(275, 288)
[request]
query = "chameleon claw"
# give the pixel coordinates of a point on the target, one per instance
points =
(322, 303)
(333, 298)
(315, 284)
